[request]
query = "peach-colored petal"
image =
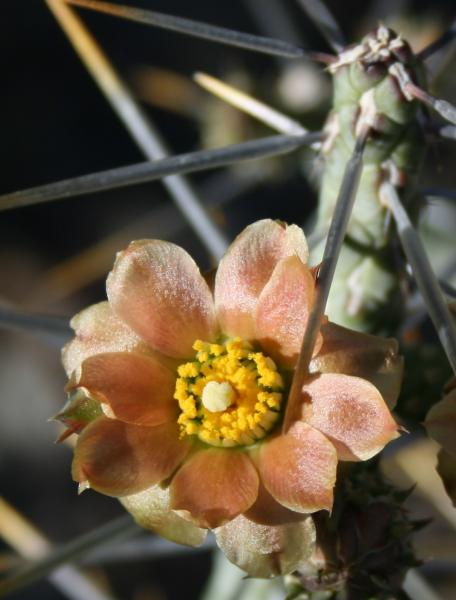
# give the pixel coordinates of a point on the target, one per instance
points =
(151, 510)
(137, 388)
(157, 289)
(214, 486)
(446, 468)
(98, 330)
(441, 422)
(267, 511)
(299, 468)
(283, 310)
(246, 268)
(370, 357)
(450, 385)
(119, 459)
(351, 412)
(265, 550)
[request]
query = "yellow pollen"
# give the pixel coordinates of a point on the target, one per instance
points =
(230, 395)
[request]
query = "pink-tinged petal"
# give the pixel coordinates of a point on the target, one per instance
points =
(283, 310)
(137, 388)
(441, 422)
(246, 268)
(299, 469)
(265, 550)
(214, 486)
(370, 357)
(151, 510)
(267, 511)
(450, 385)
(351, 412)
(119, 459)
(446, 468)
(157, 289)
(98, 330)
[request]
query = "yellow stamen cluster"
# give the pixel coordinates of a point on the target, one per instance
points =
(229, 395)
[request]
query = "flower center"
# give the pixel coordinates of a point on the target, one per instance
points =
(229, 395)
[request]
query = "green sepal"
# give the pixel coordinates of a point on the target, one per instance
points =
(80, 410)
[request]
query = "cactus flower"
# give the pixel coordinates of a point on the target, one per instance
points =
(178, 393)
(440, 424)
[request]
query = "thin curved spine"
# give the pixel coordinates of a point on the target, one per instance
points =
(198, 29)
(153, 170)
